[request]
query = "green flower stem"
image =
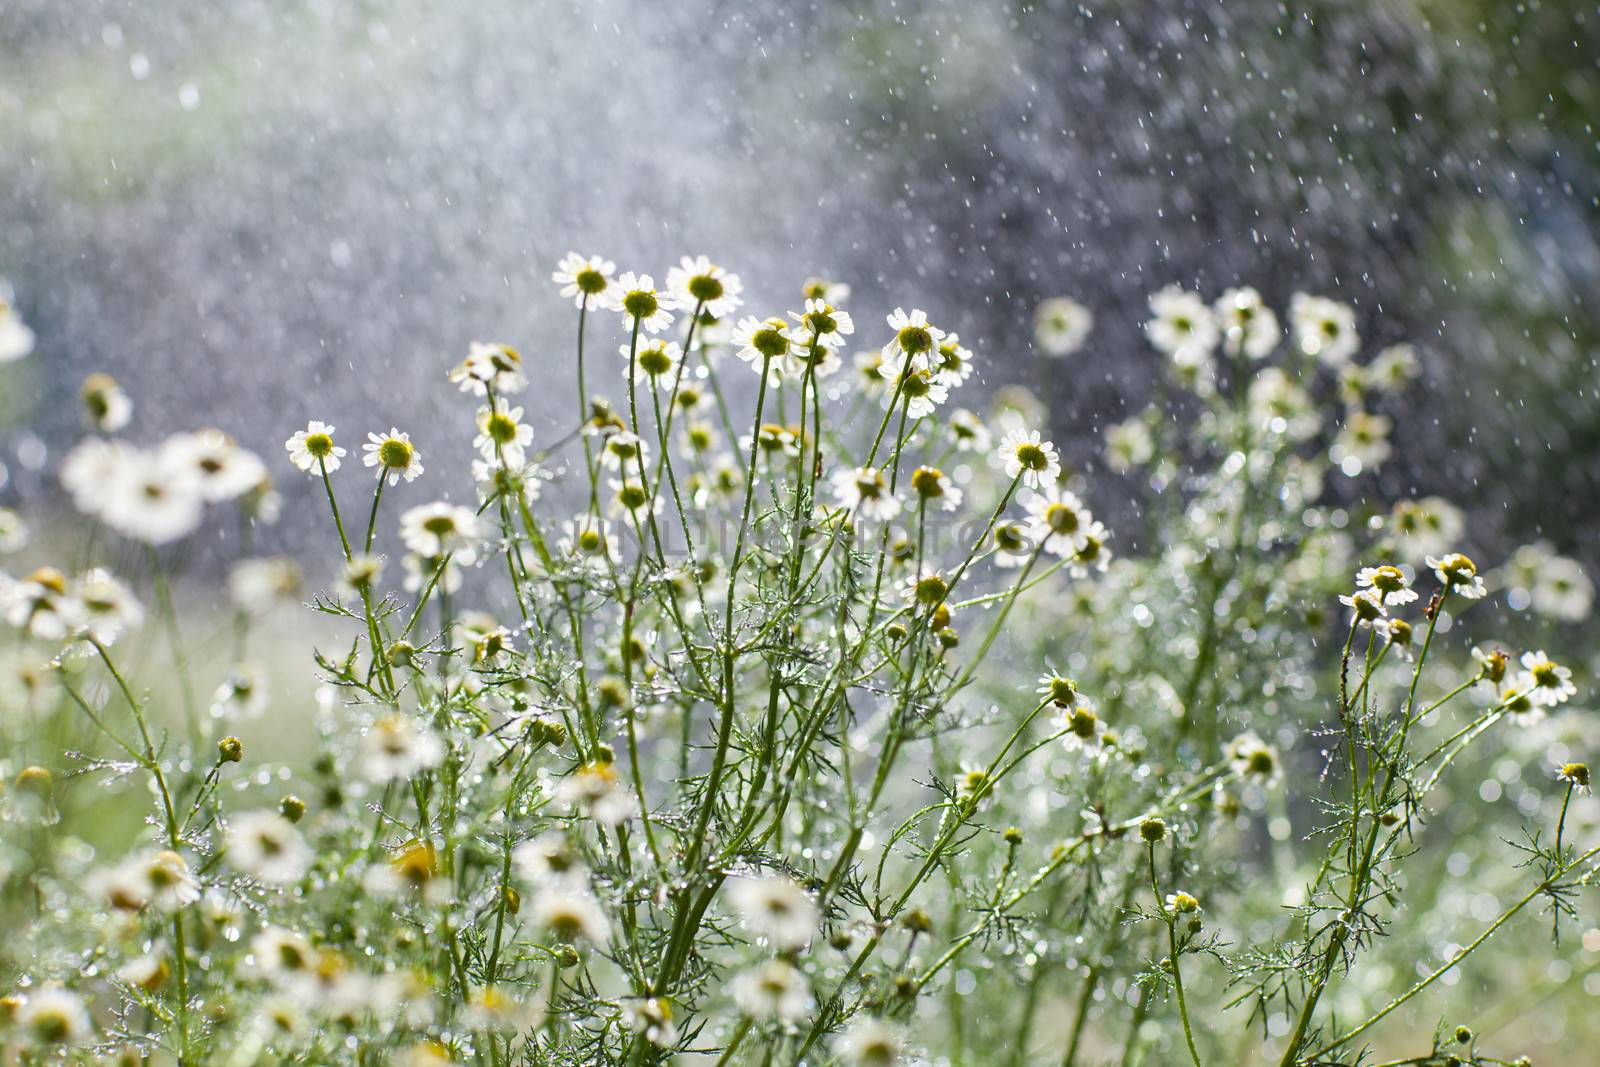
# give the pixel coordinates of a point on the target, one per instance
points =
(1170, 917)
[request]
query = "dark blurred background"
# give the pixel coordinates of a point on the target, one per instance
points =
(260, 212)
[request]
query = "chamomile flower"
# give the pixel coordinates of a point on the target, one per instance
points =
(952, 362)
(394, 455)
(1515, 698)
(629, 497)
(51, 1015)
(40, 604)
(360, 575)
(968, 431)
(1059, 520)
(1129, 445)
(824, 289)
(1061, 325)
(1575, 775)
(1492, 663)
(13, 532)
(641, 305)
(914, 341)
(503, 438)
(1248, 324)
(488, 366)
(698, 282)
(624, 452)
(1363, 443)
(420, 571)
(1389, 582)
(925, 589)
(106, 405)
(585, 280)
(763, 343)
(869, 372)
(820, 358)
(1366, 607)
(934, 486)
(1561, 589)
(655, 362)
(1395, 368)
(1550, 683)
(1183, 326)
(108, 606)
(775, 908)
(1080, 727)
(1459, 575)
(589, 541)
(1278, 405)
(16, 339)
(547, 860)
(280, 953)
(917, 387)
(772, 990)
(821, 322)
(869, 1042)
(151, 496)
(1181, 903)
(1398, 634)
(266, 846)
(865, 491)
(256, 586)
(396, 747)
(1425, 527)
(439, 529)
(1023, 454)
(222, 469)
(1324, 328)
(1013, 546)
(651, 1018)
(164, 880)
(1092, 556)
(242, 695)
(595, 790)
(569, 913)
(313, 445)
(1253, 759)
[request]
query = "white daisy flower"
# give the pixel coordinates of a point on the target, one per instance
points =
(1458, 574)
(547, 859)
(1252, 758)
(641, 304)
(925, 589)
(567, 914)
(869, 1042)
(968, 431)
(151, 496)
(1363, 443)
(1278, 405)
(222, 469)
(420, 570)
(914, 337)
(490, 366)
(1023, 454)
(698, 282)
(164, 878)
(952, 362)
(279, 953)
(1080, 727)
(397, 747)
(824, 289)
(1388, 581)
(775, 908)
(655, 363)
(586, 279)
(147, 972)
(934, 486)
(242, 695)
(1248, 325)
(1061, 325)
(763, 342)
(439, 529)
(1013, 546)
(1561, 589)
(109, 607)
(393, 454)
(1092, 557)
(1324, 328)
(590, 541)
(1129, 445)
(1366, 606)
(1550, 682)
(1183, 326)
(266, 846)
(651, 1019)
(1426, 527)
(256, 586)
(629, 497)
(915, 385)
(869, 372)
(595, 790)
(865, 491)
(503, 438)
(1515, 698)
(822, 358)
(822, 322)
(624, 452)
(40, 604)
(772, 990)
(313, 444)
(1395, 368)
(13, 532)
(51, 1015)
(16, 340)
(1059, 520)
(106, 405)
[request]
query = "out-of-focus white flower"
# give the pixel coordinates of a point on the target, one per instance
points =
(1024, 454)
(590, 541)
(1425, 527)
(568, 913)
(1324, 328)
(586, 280)
(1551, 585)
(256, 586)
(1278, 405)
(104, 402)
(775, 908)
(772, 990)
(624, 451)
(824, 289)
(968, 431)
(397, 747)
(651, 1018)
(16, 340)
(1092, 556)
(242, 694)
(267, 847)
(281, 953)
(40, 604)
(547, 859)
(222, 469)
(641, 305)
(52, 1015)
(1129, 444)
(312, 445)
(490, 366)
(1183, 326)
(595, 790)
(150, 496)
(698, 282)
(439, 529)
(865, 491)
(915, 385)
(13, 532)
(109, 607)
(1395, 368)
(393, 454)
(1363, 443)
(1248, 324)
(869, 1042)
(1253, 759)
(1061, 325)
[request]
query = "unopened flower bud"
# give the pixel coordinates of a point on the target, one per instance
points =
(230, 749)
(292, 808)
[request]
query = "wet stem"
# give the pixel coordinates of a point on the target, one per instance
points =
(1170, 916)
